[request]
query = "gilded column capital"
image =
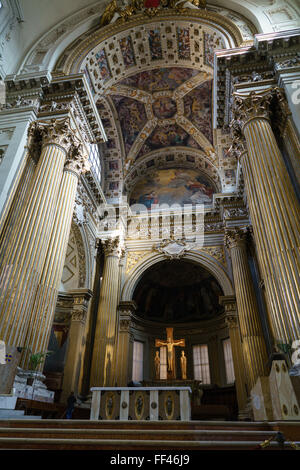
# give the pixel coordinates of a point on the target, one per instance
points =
(255, 105)
(236, 237)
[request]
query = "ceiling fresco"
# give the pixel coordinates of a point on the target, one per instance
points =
(159, 79)
(153, 89)
(172, 186)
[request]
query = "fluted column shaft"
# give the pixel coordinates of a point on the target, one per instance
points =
(21, 268)
(46, 296)
(253, 343)
(74, 356)
(274, 300)
(231, 319)
(104, 353)
(125, 310)
(279, 209)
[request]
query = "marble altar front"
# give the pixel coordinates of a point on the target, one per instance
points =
(141, 403)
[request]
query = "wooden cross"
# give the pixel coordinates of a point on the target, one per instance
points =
(170, 343)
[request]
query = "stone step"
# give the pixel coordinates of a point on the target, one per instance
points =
(7, 443)
(14, 414)
(177, 435)
(178, 425)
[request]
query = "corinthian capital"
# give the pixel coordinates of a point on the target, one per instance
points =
(112, 247)
(56, 131)
(236, 237)
(251, 106)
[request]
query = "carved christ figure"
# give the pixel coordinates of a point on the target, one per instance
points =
(170, 344)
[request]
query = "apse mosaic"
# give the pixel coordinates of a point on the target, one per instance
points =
(198, 108)
(160, 79)
(132, 118)
(172, 186)
(178, 291)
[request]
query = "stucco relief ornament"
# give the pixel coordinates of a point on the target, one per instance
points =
(122, 10)
(172, 249)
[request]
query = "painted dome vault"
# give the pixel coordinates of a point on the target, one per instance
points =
(152, 81)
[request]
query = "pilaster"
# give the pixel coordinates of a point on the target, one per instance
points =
(231, 319)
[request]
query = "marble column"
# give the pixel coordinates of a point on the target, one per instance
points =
(21, 268)
(47, 291)
(104, 353)
(278, 208)
(76, 340)
(231, 319)
(124, 354)
(253, 343)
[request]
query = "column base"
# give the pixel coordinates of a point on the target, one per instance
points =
(29, 384)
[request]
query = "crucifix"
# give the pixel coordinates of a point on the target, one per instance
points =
(170, 344)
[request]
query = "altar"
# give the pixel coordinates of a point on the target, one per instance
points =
(141, 403)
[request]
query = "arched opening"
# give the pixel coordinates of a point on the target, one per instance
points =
(179, 299)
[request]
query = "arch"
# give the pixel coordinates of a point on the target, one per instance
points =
(205, 260)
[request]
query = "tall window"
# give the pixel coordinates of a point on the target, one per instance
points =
(201, 363)
(230, 377)
(163, 362)
(138, 359)
(94, 158)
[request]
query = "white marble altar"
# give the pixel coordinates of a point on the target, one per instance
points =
(141, 403)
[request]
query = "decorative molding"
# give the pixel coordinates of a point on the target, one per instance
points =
(133, 258)
(216, 252)
(172, 249)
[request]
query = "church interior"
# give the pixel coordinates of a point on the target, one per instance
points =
(149, 222)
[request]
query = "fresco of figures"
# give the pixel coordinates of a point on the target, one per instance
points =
(172, 186)
(198, 106)
(183, 35)
(127, 51)
(164, 107)
(160, 79)
(103, 65)
(132, 116)
(170, 135)
(155, 44)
